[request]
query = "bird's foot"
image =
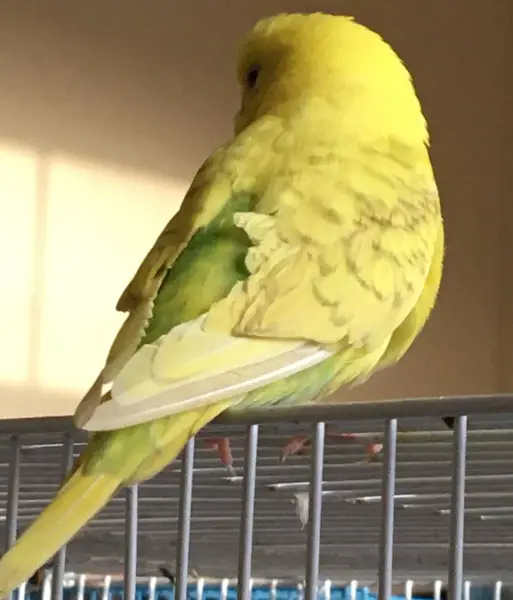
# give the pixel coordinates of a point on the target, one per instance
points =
(298, 445)
(222, 446)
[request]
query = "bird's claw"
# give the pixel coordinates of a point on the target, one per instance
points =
(222, 446)
(293, 446)
(299, 444)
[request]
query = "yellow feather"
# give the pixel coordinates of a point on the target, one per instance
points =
(75, 504)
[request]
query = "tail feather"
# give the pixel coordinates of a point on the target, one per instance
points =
(144, 451)
(75, 504)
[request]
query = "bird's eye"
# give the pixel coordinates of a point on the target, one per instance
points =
(252, 76)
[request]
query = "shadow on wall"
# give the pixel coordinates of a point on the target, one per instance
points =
(107, 109)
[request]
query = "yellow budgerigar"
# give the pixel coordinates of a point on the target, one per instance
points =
(306, 255)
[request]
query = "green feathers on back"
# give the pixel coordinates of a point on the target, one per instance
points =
(204, 273)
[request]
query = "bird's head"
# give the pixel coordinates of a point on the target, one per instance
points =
(331, 67)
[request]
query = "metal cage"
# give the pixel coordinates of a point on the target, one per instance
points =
(418, 498)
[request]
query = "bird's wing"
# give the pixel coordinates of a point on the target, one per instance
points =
(208, 191)
(331, 265)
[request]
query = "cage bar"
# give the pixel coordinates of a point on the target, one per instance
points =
(327, 589)
(384, 409)
(466, 590)
(408, 589)
(106, 587)
(273, 589)
(46, 593)
(353, 588)
(60, 559)
(387, 513)
(81, 587)
(130, 564)
(455, 575)
(152, 588)
(11, 521)
(184, 520)
(314, 512)
(497, 590)
(13, 486)
(436, 406)
(224, 589)
(200, 584)
(247, 514)
(22, 591)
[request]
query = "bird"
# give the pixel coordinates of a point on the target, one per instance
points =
(307, 255)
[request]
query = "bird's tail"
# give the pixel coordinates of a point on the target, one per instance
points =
(81, 497)
(87, 490)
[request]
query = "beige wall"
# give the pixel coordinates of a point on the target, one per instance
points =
(106, 109)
